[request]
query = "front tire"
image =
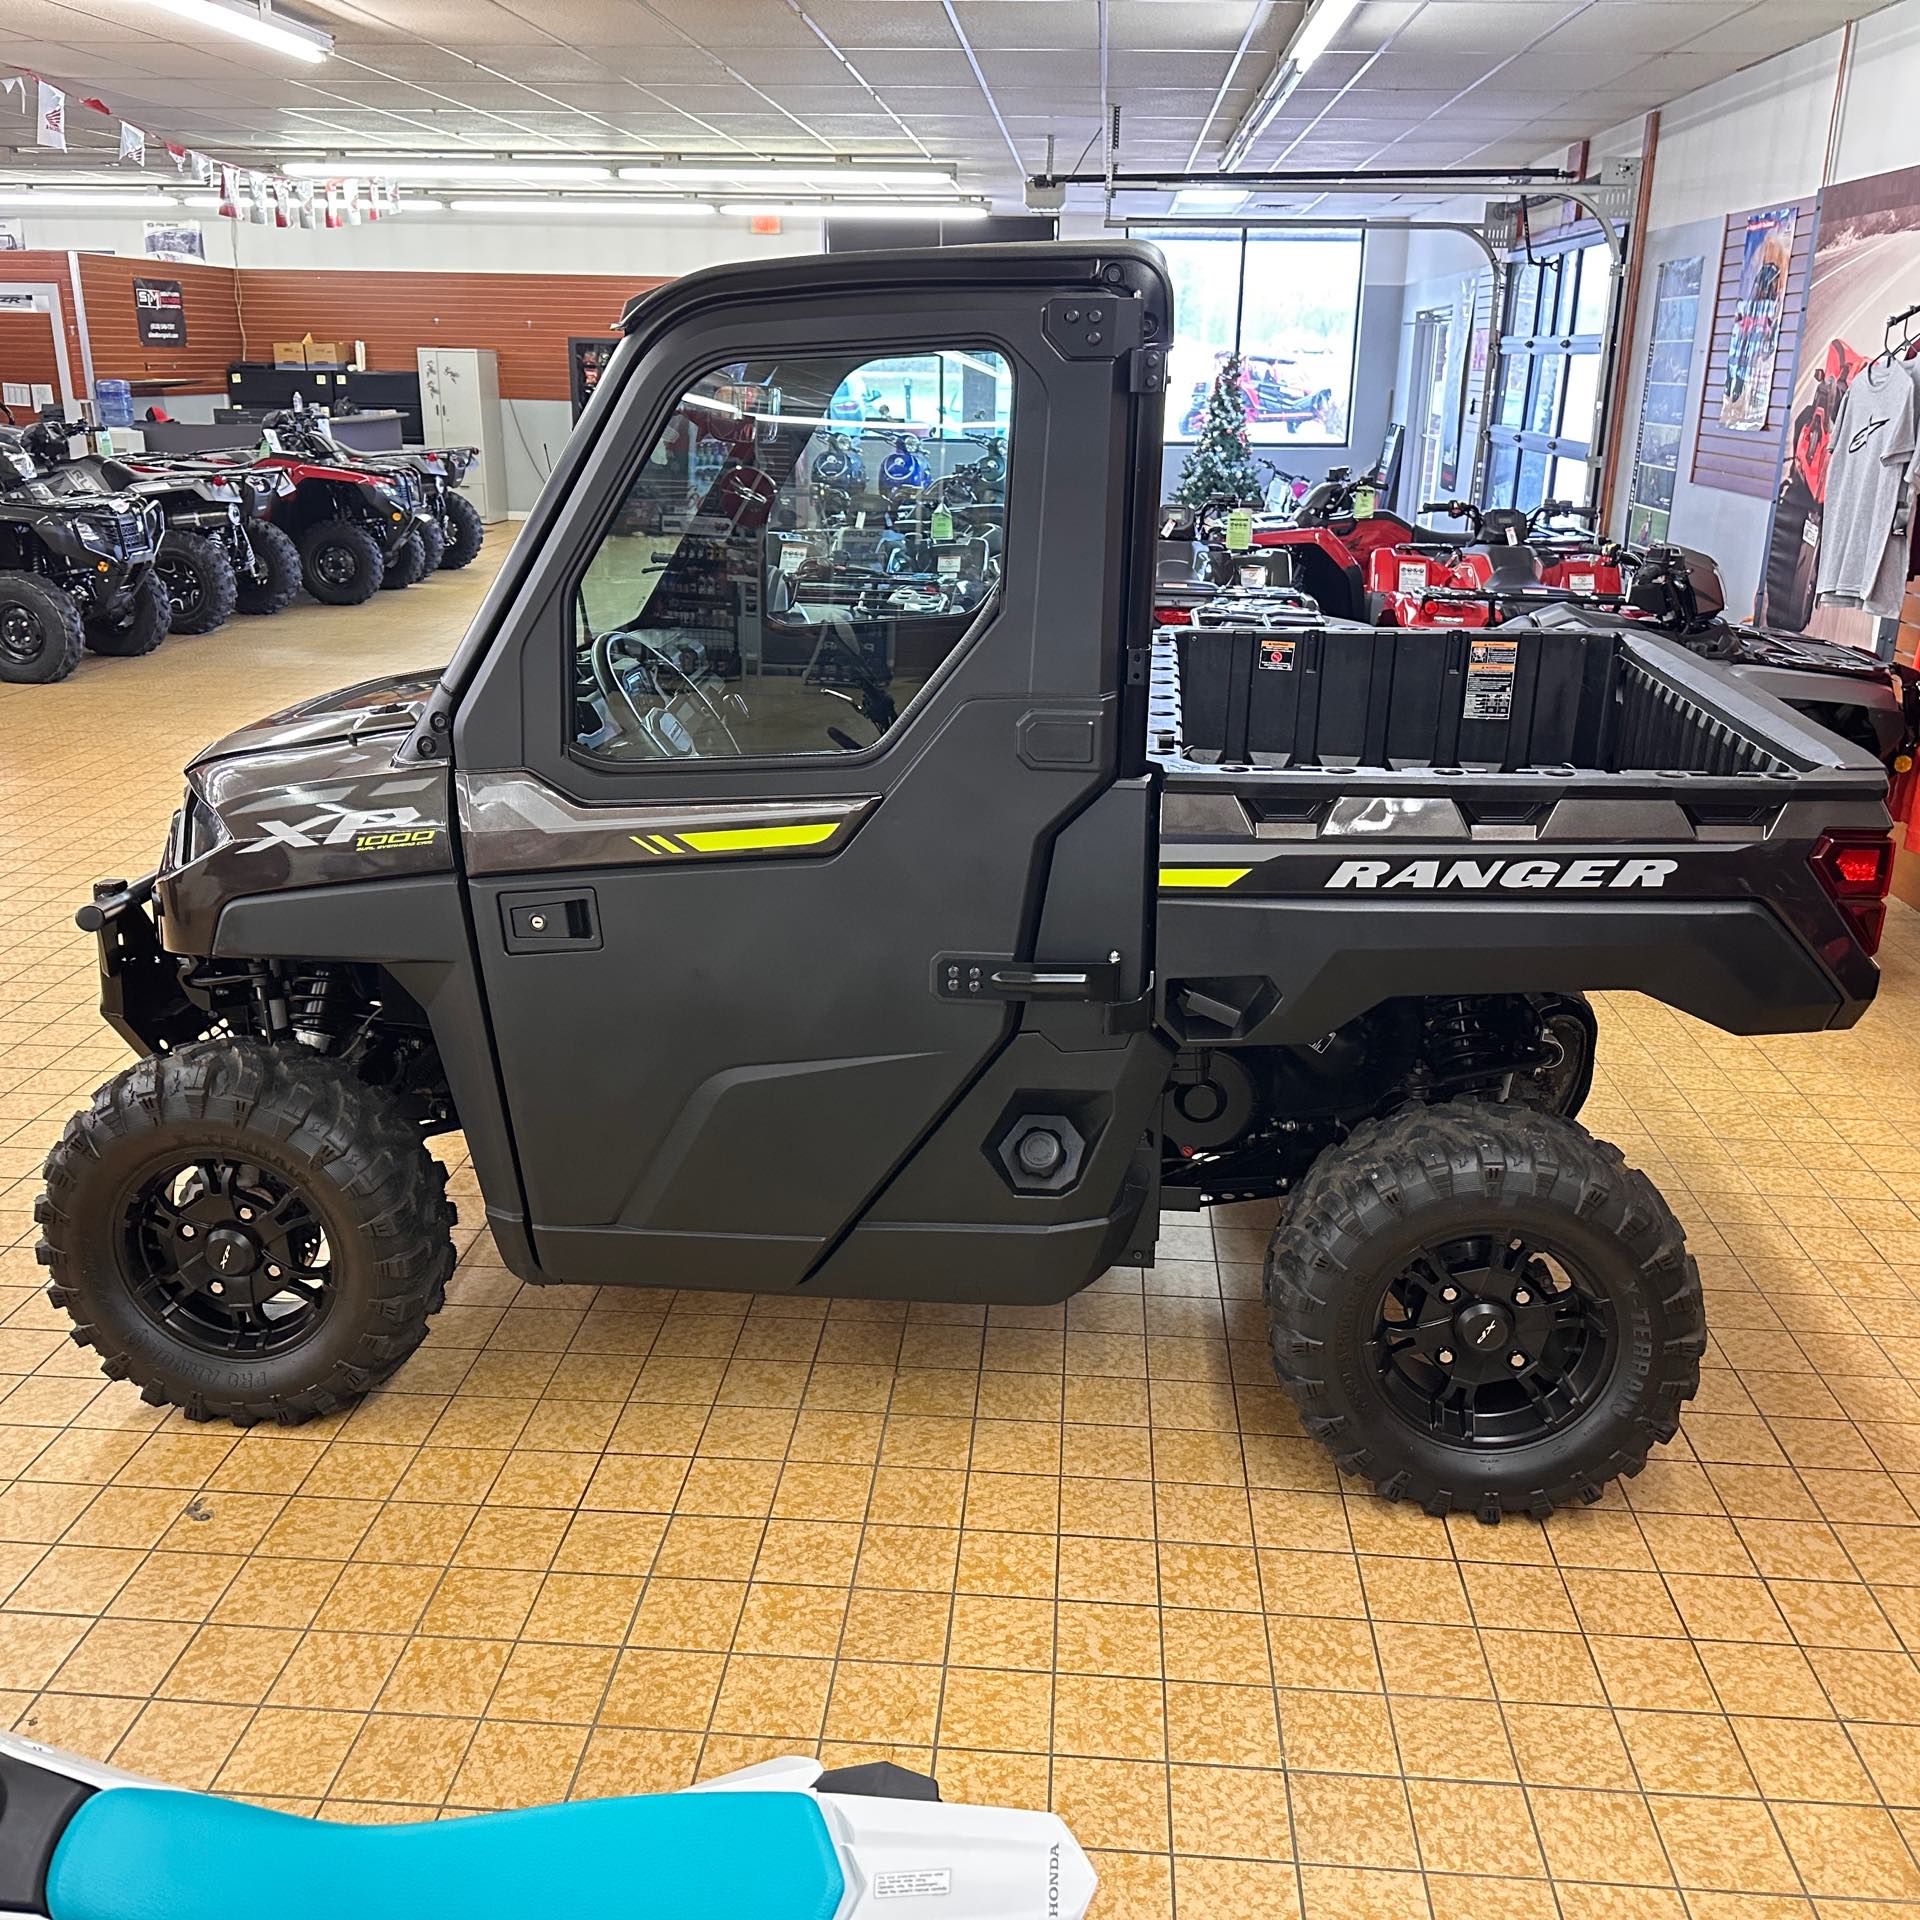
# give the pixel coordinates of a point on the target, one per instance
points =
(408, 565)
(245, 1231)
(466, 532)
(1484, 1310)
(41, 639)
(199, 578)
(433, 540)
(341, 563)
(276, 581)
(141, 627)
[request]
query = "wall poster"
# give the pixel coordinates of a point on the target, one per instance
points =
(1663, 403)
(161, 310)
(174, 240)
(1866, 267)
(1756, 320)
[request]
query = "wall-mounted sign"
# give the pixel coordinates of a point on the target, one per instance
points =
(1764, 265)
(162, 313)
(174, 240)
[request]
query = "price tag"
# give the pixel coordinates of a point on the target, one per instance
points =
(1239, 529)
(1363, 502)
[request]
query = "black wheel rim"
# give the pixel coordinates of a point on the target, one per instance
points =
(1493, 1340)
(182, 582)
(21, 637)
(338, 566)
(227, 1256)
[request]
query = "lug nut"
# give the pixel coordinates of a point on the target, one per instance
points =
(1445, 1356)
(246, 1213)
(186, 1231)
(273, 1272)
(1449, 1294)
(1516, 1359)
(1522, 1297)
(217, 1288)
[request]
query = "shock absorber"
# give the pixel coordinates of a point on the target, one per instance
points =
(312, 998)
(1460, 1044)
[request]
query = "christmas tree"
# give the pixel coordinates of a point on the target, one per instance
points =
(1220, 465)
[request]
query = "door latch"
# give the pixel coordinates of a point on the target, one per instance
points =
(540, 922)
(990, 976)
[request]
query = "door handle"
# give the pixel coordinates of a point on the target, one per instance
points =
(542, 922)
(990, 976)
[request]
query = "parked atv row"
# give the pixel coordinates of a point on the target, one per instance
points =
(1356, 562)
(114, 554)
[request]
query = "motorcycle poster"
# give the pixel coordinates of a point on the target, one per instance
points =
(1755, 344)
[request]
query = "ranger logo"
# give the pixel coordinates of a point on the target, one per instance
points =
(1485, 876)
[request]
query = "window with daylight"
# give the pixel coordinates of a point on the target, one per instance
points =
(806, 543)
(1288, 302)
(1546, 401)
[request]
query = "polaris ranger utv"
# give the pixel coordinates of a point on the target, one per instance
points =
(736, 975)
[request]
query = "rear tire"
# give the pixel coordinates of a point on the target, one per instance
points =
(199, 578)
(141, 627)
(278, 562)
(408, 565)
(41, 638)
(340, 563)
(329, 1176)
(466, 532)
(1554, 1250)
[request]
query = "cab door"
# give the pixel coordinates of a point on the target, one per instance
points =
(807, 840)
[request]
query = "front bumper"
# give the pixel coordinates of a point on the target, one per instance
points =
(140, 993)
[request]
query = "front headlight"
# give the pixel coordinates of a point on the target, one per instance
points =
(197, 830)
(100, 539)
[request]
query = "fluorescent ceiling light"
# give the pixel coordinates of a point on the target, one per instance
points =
(859, 209)
(396, 166)
(57, 197)
(1207, 199)
(1317, 30)
(283, 36)
(633, 206)
(825, 176)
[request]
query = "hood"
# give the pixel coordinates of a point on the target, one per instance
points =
(388, 705)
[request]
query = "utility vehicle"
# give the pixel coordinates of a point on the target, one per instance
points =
(736, 975)
(784, 1840)
(77, 548)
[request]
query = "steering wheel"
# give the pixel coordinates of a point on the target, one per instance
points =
(658, 726)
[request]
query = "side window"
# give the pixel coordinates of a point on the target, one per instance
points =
(802, 548)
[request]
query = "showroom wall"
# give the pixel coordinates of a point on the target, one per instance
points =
(1759, 139)
(521, 284)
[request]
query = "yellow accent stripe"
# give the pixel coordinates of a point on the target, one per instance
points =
(753, 839)
(1202, 876)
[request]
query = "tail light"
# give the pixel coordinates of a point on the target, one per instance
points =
(1172, 617)
(1856, 869)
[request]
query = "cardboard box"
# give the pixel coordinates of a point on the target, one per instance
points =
(289, 353)
(332, 354)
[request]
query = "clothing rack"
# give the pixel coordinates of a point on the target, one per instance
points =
(1890, 350)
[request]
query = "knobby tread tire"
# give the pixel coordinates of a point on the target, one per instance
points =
(280, 560)
(369, 572)
(381, 1196)
(220, 586)
(467, 533)
(1445, 1164)
(408, 566)
(433, 540)
(150, 618)
(64, 637)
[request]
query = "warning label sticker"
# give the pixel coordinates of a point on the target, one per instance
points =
(1413, 576)
(907, 1883)
(1276, 656)
(1490, 666)
(1581, 582)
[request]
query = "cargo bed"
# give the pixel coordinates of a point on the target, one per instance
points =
(1668, 845)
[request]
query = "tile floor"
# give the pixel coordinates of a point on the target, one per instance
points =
(598, 1543)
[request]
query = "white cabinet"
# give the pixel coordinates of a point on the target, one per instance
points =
(460, 407)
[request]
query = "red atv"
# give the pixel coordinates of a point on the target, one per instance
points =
(1508, 563)
(356, 529)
